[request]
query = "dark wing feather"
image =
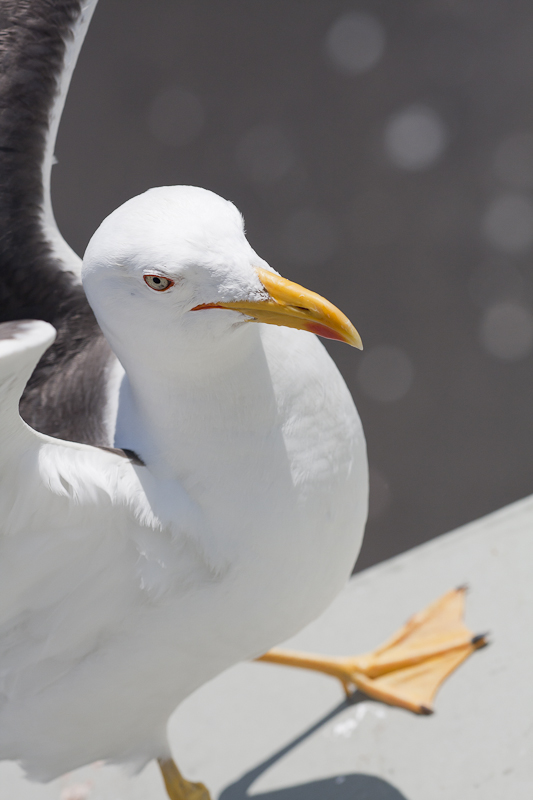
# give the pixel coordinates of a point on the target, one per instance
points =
(66, 395)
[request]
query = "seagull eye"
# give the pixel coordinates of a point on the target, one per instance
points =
(158, 283)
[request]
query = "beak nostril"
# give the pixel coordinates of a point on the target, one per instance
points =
(278, 308)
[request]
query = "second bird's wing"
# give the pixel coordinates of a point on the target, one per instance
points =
(39, 273)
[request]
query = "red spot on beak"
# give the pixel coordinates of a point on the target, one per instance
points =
(324, 331)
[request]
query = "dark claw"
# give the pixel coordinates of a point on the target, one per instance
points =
(481, 637)
(426, 711)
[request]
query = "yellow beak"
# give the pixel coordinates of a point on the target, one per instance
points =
(293, 306)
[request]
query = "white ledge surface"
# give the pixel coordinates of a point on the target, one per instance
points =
(281, 734)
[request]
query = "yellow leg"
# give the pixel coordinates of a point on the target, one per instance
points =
(178, 788)
(409, 668)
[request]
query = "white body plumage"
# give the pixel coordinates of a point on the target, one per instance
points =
(123, 587)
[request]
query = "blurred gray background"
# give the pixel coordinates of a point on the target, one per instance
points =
(382, 155)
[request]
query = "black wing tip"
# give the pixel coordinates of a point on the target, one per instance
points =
(125, 452)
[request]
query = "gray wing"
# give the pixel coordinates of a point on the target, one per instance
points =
(39, 273)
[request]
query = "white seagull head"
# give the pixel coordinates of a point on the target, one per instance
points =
(172, 272)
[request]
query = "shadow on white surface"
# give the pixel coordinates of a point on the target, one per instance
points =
(355, 786)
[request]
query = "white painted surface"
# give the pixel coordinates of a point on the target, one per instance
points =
(479, 744)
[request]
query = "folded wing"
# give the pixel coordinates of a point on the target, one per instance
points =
(84, 558)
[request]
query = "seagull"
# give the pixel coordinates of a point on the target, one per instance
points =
(183, 472)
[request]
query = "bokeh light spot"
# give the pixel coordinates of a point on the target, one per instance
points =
(415, 138)
(385, 373)
(264, 154)
(508, 223)
(355, 42)
(507, 331)
(176, 116)
(493, 283)
(513, 161)
(310, 237)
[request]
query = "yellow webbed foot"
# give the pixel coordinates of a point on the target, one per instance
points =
(178, 788)
(408, 669)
